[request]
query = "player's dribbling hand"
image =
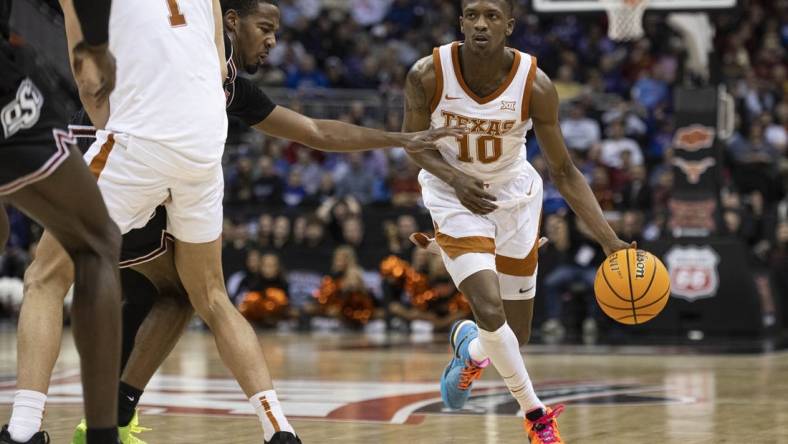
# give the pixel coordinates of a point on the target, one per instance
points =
(426, 140)
(94, 70)
(618, 244)
(472, 196)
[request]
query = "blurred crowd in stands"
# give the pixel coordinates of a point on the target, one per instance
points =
(315, 238)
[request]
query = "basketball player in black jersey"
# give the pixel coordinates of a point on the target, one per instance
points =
(250, 27)
(43, 175)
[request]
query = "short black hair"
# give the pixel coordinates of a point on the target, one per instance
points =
(509, 3)
(243, 7)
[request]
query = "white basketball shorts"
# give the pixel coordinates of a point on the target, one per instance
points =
(505, 241)
(132, 190)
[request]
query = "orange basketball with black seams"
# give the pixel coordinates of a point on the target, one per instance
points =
(632, 286)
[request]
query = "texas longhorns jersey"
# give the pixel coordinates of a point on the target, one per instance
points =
(168, 94)
(494, 148)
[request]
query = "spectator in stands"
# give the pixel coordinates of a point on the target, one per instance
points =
(611, 148)
(307, 75)
(755, 163)
(429, 293)
(398, 234)
(576, 257)
(235, 239)
(266, 302)
(343, 294)
(267, 187)
(566, 84)
(636, 194)
(333, 212)
(294, 193)
(632, 225)
(357, 182)
(280, 236)
(776, 133)
(240, 182)
(404, 184)
(244, 280)
(265, 226)
(580, 132)
(651, 91)
(309, 170)
(600, 186)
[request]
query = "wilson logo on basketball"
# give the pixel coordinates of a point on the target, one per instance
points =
(693, 272)
(694, 138)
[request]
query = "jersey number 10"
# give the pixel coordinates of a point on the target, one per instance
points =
(488, 149)
(176, 18)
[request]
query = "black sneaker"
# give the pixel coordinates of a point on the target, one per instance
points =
(284, 438)
(39, 438)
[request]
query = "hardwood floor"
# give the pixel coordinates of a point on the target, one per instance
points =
(344, 388)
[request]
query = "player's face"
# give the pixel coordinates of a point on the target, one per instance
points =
(485, 24)
(256, 35)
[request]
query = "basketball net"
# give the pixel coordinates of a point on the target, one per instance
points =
(625, 18)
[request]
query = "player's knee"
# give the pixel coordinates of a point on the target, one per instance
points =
(523, 335)
(210, 306)
(45, 280)
(489, 316)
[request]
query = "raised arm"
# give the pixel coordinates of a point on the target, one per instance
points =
(567, 178)
(97, 108)
(92, 62)
(420, 86)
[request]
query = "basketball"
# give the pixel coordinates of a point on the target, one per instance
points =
(632, 286)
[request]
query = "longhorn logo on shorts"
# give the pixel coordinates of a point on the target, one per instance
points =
(694, 138)
(693, 272)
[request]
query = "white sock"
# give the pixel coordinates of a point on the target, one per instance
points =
(26, 415)
(504, 351)
(270, 413)
(475, 350)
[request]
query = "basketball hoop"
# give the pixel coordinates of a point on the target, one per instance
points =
(625, 18)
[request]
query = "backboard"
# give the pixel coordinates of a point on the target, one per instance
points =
(600, 5)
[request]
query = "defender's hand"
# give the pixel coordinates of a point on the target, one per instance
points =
(94, 70)
(426, 140)
(471, 194)
(617, 245)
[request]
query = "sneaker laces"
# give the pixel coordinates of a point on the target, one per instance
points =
(470, 373)
(544, 427)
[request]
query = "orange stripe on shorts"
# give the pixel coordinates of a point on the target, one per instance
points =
(98, 163)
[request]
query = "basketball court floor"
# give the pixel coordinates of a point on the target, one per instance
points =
(354, 388)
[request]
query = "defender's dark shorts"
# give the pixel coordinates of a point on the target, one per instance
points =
(31, 147)
(140, 245)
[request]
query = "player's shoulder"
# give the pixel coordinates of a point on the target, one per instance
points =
(422, 73)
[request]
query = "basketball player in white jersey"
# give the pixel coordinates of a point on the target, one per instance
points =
(48, 277)
(485, 198)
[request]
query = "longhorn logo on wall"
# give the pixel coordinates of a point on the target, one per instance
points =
(693, 271)
(694, 137)
(694, 169)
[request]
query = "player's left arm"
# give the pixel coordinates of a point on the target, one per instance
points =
(218, 22)
(336, 136)
(568, 179)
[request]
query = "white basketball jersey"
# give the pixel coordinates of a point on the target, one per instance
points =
(494, 149)
(168, 94)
